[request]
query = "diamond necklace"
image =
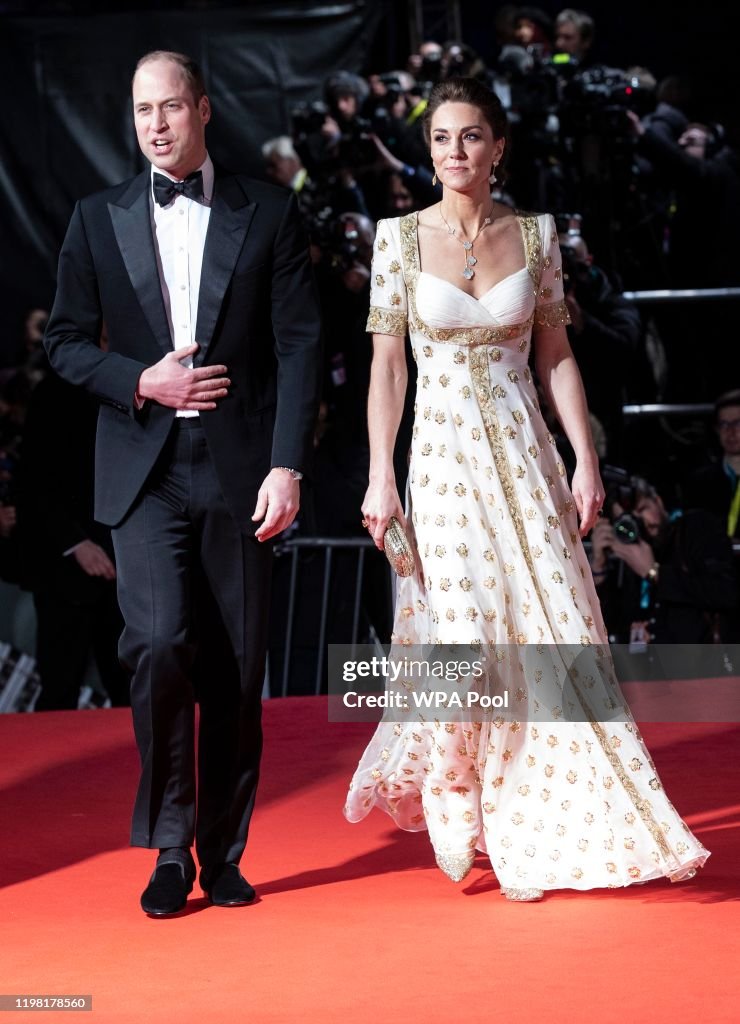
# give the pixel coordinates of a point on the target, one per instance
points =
(470, 261)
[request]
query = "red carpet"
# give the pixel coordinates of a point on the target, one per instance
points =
(354, 922)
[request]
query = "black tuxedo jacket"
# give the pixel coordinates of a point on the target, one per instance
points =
(257, 315)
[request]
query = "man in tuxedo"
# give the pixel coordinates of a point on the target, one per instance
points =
(209, 391)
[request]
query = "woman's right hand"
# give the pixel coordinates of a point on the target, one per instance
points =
(380, 503)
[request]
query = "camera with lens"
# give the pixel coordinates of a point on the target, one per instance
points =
(307, 120)
(345, 246)
(356, 148)
(620, 490)
(595, 102)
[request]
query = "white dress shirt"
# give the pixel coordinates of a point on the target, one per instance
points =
(179, 230)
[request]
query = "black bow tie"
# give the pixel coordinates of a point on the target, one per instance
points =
(165, 190)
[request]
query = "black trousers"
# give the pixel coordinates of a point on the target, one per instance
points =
(194, 593)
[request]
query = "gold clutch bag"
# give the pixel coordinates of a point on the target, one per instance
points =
(398, 548)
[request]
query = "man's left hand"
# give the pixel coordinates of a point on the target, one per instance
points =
(278, 501)
(639, 557)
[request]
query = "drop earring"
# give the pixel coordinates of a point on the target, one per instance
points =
(492, 177)
(434, 179)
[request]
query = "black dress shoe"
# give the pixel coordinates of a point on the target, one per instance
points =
(225, 886)
(168, 889)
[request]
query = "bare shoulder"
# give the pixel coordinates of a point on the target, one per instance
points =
(505, 214)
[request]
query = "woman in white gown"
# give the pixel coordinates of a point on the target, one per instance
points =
(500, 562)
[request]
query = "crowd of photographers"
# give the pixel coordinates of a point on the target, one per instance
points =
(645, 196)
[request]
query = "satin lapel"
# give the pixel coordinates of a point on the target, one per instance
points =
(231, 215)
(133, 229)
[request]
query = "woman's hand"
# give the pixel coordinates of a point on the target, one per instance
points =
(588, 494)
(380, 503)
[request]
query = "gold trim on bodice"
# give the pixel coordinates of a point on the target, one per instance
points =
(465, 336)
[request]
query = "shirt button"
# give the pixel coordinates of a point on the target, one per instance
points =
(182, 287)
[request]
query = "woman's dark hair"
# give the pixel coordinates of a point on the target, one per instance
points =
(469, 90)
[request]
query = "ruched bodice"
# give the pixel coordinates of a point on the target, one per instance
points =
(441, 304)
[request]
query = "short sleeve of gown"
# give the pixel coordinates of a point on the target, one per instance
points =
(388, 299)
(550, 309)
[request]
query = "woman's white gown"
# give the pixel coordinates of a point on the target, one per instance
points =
(556, 803)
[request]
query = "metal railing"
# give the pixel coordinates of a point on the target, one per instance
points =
(668, 409)
(293, 548)
(663, 296)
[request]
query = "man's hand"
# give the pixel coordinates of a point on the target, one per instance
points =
(639, 557)
(602, 541)
(636, 125)
(278, 500)
(93, 560)
(170, 383)
(386, 159)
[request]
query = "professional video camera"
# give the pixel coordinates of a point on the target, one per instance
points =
(595, 101)
(534, 83)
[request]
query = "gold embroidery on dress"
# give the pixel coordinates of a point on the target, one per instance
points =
(386, 321)
(532, 246)
(553, 314)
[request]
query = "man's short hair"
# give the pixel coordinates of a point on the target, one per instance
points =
(642, 488)
(191, 71)
(725, 400)
(582, 21)
(281, 146)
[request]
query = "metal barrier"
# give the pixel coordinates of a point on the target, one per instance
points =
(663, 296)
(669, 409)
(293, 547)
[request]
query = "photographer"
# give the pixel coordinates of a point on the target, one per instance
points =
(705, 174)
(333, 148)
(282, 163)
(574, 34)
(606, 331)
(661, 578)
(716, 485)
